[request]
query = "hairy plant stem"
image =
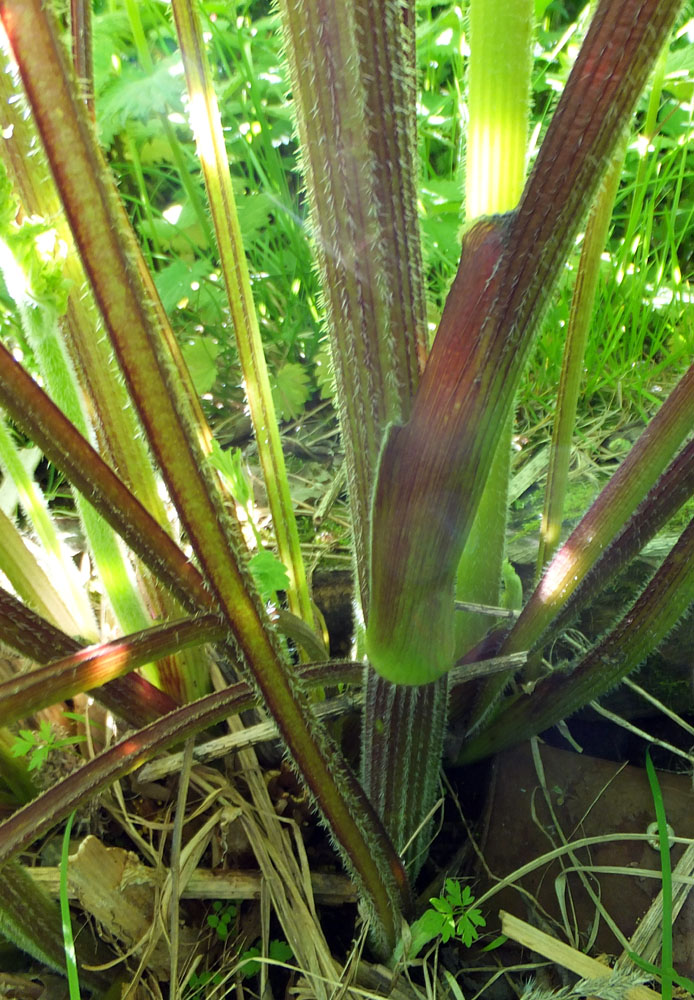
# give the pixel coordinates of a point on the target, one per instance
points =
(655, 613)
(142, 342)
(103, 392)
(132, 698)
(357, 159)
(352, 70)
(582, 303)
(30, 919)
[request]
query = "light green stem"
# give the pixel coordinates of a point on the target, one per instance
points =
(572, 365)
(499, 105)
(209, 137)
(59, 561)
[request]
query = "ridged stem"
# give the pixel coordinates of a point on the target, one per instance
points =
(636, 475)
(499, 73)
(103, 392)
(30, 919)
(350, 135)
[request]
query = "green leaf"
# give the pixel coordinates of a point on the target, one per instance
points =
(136, 93)
(427, 928)
(174, 281)
(467, 925)
(269, 574)
(250, 968)
(290, 390)
(453, 893)
(229, 462)
(496, 943)
(200, 354)
(280, 951)
(21, 747)
(442, 905)
(38, 758)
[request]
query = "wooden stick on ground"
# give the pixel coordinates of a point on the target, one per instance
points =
(563, 954)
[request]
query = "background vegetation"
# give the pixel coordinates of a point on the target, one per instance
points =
(642, 335)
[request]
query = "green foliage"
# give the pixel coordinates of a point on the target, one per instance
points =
(220, 918)
(641, 356)
(290, 390)
(38, 746)
(278, 951)
(451, 915)
(70, 957)
(665, 972)
(200, 354)
(269, 573)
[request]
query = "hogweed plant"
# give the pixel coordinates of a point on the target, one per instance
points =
(425, 429)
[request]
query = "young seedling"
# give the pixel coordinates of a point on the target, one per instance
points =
(451, 915)
(38, 745)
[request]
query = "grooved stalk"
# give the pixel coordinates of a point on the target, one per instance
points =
(371, 288)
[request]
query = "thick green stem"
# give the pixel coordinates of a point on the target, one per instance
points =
(498, 107)
(434, 468)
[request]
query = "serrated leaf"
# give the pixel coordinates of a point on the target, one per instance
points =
(20, 748)
(250, 968)
(279, 951)
(448, 930)
(254, 210)
(290, 390)
(453, 891)
(269, 573)
(38, 758)
(467, 934)
(229, 462)
(137, 93)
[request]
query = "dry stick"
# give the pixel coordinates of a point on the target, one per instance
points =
(647, 938)
(563, 954)
(207, 883)
(176, 840)
(261, 732)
